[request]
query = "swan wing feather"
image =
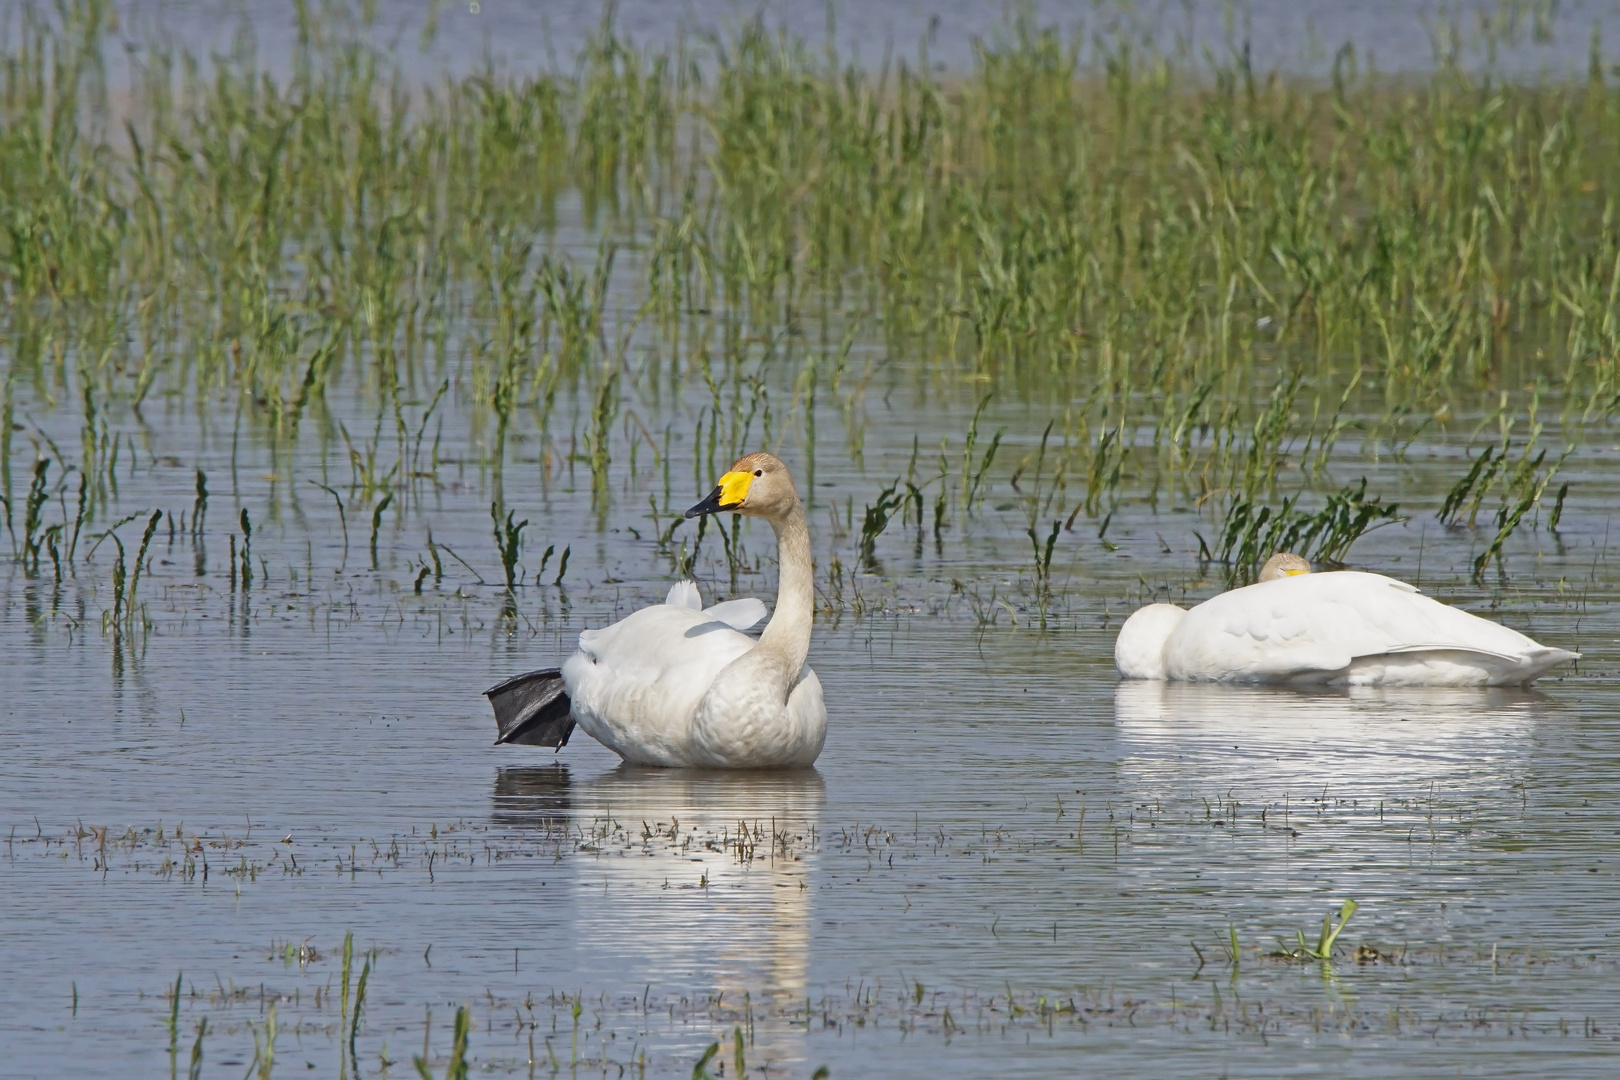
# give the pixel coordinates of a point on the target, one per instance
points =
(1434, 647)
(636, 685)
(663, 637)
(737, 614)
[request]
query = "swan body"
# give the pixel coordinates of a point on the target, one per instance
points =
(669, 685)
(678, 685)
(1341, 628)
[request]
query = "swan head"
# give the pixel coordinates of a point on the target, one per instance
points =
(757, 485)
(1139, 649)
(1282, 565)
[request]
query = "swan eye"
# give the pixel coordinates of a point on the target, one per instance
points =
(759, 472)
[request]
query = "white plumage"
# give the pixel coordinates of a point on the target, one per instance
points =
(675, 685)
(637, 687)
(1344, 628)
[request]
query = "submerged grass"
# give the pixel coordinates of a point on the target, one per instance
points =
(325, 1004)
(1254, 1003)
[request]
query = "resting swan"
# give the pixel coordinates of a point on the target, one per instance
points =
(1341, 628)
(674, 685)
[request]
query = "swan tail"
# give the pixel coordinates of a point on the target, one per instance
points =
(1536, 664)
(1455, 665)
(532, 709)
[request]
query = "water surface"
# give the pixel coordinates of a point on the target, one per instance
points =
(1005, 861)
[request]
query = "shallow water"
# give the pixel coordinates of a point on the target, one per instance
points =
(1291, 35)
(1004, 861)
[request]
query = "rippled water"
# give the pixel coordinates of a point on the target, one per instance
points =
(1005, 861)
(1004, 858)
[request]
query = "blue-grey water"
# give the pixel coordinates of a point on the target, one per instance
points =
(1521, 37)
(1004, 862)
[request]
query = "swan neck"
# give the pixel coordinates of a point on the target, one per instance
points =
(788, 632)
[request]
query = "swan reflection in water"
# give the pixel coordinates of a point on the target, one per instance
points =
(1361, 742)
(663, 893)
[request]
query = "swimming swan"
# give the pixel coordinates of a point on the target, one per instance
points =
(1340, 628)
(676, 685)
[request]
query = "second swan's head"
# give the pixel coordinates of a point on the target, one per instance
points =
(1284, 564)
(757, 485)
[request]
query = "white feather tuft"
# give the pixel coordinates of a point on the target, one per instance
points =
(684, 594)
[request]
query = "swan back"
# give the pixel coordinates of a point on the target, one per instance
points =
(1139, 649)
(737, 614)
(1347, 626)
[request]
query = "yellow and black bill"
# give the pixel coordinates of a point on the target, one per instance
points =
(727, 495)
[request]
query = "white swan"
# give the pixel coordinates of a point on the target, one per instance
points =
(673, 685)
(1344, 628)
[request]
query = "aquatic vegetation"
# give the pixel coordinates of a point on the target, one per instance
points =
(140, 558)
(1323, 949)
(1521, 486)
(247, 550)
(1251, 534)
(1524, 489)
(508, 541)
(1205, 274)
(376, 523)
(876, 518)
(457, 1067)
(700, 1071)
(37, 495)
(305, 977)
(973, 477)
(174, 1020)
(1129, 298)
(351, 1018)
(264, 1052)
